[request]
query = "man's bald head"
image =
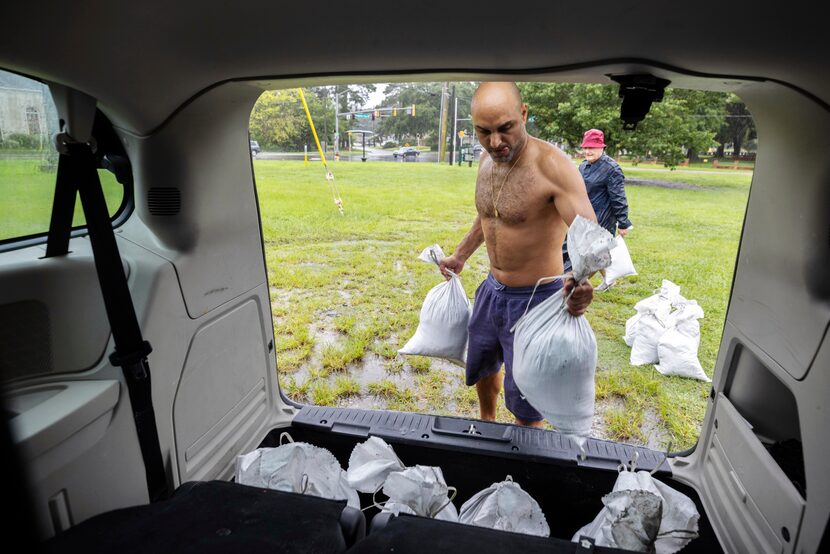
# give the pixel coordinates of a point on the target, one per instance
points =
(499, 118)
(497, 93)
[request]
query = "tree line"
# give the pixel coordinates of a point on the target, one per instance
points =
(683, 125)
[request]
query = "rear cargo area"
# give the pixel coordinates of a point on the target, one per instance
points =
(545, 464)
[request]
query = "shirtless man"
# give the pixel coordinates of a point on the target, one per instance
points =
(527, 193)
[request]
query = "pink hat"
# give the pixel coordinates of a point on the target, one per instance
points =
(593, 138)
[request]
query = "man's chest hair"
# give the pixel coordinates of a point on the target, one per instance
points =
(518, 198)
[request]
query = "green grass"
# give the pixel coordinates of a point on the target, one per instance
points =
(27, 187)
(356, 277)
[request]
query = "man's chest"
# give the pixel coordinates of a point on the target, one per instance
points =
(514, 198)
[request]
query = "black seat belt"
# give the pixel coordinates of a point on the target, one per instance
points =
(77, 171)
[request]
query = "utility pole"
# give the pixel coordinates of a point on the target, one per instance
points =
(455, 133)
(454, 127)
(336, 124)
(442, 132)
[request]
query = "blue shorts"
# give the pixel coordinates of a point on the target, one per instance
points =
(496, 309)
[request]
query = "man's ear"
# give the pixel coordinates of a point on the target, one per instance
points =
(524, 113)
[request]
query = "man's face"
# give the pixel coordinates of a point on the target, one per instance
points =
(592, 154)
(501, 129)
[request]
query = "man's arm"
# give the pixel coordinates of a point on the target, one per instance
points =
(571, 199)
(570, 196)
(619, 203)
(469, 244)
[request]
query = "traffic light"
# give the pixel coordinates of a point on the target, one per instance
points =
(394, 112)
(352, 116)
(374, 115)
(413, 110)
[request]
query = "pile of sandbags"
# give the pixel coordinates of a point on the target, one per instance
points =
(421, 490)
(665, 331)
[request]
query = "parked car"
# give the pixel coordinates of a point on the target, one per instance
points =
(94, 439)
(477, 150)
(406, 152)
(254, 148)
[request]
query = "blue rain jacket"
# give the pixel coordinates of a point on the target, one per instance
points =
(604, 182)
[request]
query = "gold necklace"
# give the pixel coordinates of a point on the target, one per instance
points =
(501, 188)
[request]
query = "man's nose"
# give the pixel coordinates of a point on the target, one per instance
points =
(495, 140)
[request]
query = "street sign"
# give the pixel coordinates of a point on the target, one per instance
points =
(461, 134)
(362, 115)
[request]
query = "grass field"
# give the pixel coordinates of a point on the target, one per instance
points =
(27, 187)
(346, 290)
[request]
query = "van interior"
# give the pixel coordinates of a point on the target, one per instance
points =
(165, 93)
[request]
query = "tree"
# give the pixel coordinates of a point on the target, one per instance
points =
(738, 127)
(278, 120)
(684, 123)
(426, 97)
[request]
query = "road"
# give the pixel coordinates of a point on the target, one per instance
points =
(372, 154)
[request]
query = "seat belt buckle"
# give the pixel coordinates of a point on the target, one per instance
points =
(135, 361)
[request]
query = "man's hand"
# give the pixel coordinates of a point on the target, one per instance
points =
(623, 232)
(581, 298)
(453, 263)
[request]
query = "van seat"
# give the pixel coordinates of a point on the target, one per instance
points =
(218, 516)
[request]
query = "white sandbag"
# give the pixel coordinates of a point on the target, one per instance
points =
(621, 264)
(506, 507)
(644, 515)
(589, 247)
(661, 303)
(296, 467)
(678, 347)
(370, 464)
(421, 491)
(650, 321)
(445, 314)
(650, 328)
(554, 352)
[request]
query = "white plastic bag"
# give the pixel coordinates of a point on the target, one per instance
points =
(421, 491)
(506, 507)
(677, 348)
(370, 464)
(296, 467)
(555, 353)
(630, 515)
(621, 264)
(445, 314)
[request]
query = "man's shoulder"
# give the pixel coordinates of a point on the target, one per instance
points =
(549, 154)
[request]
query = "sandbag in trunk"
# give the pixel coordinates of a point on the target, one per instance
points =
(643, 514)
(296, 467)
(420, 491)
(370, 464)
(506, 507)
